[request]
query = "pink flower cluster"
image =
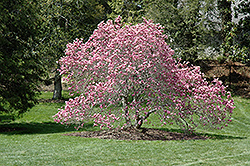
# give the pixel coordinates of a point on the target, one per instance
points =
(124, 73)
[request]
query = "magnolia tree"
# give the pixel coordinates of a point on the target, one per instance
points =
(124, 73)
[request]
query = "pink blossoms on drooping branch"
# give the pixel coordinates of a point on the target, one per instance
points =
(124, 73)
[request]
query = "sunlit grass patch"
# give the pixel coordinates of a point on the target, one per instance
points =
(41, 142)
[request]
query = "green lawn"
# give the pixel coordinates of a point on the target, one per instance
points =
(42, 143)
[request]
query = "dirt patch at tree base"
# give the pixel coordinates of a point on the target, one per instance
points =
(134, 134)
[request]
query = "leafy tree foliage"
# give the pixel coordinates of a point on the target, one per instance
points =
(124, 73)
(20, 69)
(130, 10)
(225, 13)
(185, 23)
(63, 21)
(198, 25)
(234, 35)
(243, 33)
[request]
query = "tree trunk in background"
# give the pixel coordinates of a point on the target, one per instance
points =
(57, 94)
(226, 25)
(225, 15)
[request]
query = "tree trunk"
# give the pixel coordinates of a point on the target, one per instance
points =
(226, 17)
(57, 94)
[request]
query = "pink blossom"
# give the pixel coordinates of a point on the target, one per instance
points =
(132, 66)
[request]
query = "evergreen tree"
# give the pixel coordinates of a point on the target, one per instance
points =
(20, 70)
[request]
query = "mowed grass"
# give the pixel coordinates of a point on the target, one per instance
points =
(41, 142)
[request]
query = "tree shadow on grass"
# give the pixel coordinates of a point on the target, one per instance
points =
(221, 137)
(38, 128)
(208, 135)
(52, 127)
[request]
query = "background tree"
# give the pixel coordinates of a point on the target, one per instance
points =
(185, 23)
(242, 39)
(64, 21)
(20, 70)
(200, 28)
(130, 10)
(225, 12)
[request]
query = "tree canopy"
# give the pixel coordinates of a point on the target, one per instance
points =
(124, 73)
(242, 32)
(63, 21)
(183, 23)
(20, 70)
